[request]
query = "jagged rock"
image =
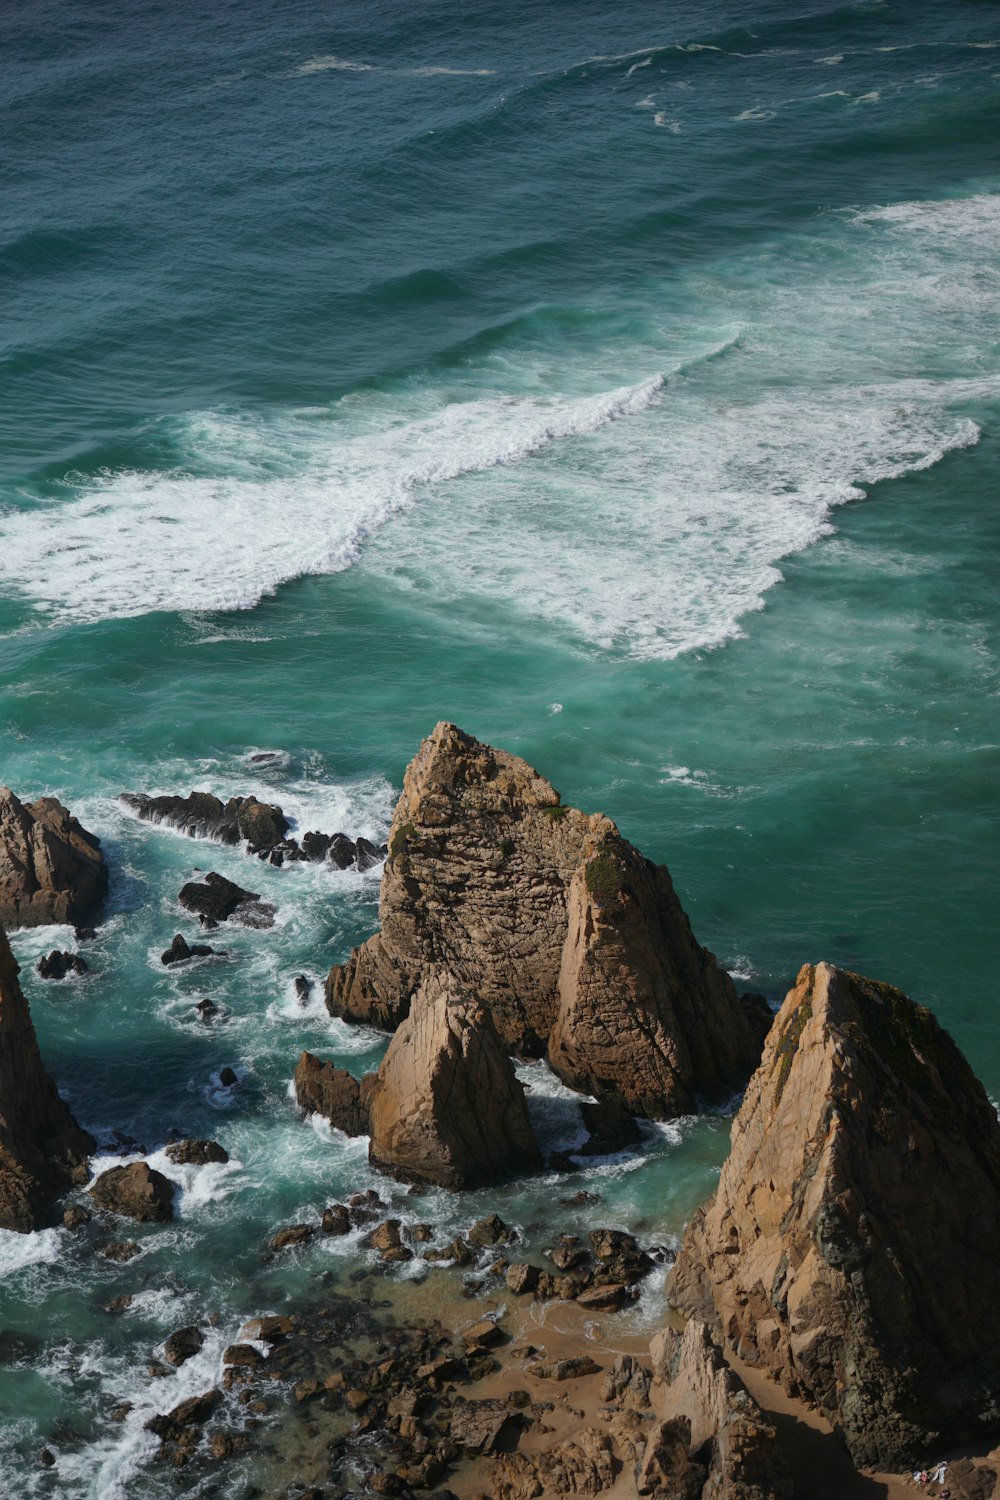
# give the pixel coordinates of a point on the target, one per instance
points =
(138, 1191)
(336, 1220)
(56, 965)
(666, 1468)
(191, 1413)
(203, 816)
(626, 1383)
(120, 1251)
(207, 1010)
(476, 1426)
(446, 1106)
(522, 1278)
(181, 950)
(219, 899)
(576, 945)
(51, 868)
(76, 1216)
(194, 1153)
(294, 1234)
(228, 1078)
(572, 1368)
(582, 1465)
(694, 1385)
(342, 851)
(369, 855)
(490, 1231)
(620, 1255)
(303, 988)
(322, 1089)
(608, 1298)
(182, 1345)
(864, 1172)
(42, 1149)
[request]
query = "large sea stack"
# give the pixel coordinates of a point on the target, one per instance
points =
(576, 945)
(51, 868)
(851, 1249)
(42, 1149)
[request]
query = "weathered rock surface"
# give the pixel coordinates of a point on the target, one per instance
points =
(58, 963)
(203, 816)
(850, 1250)
(138, 1191)
(693, 1387)
(181, 951)
(196, 1153)
(322, 1089)
(576, 945)
(42, 1149)
(219, 899)
(446, 1106)
(51, 868)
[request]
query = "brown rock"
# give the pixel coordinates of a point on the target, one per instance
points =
(626, 1383)
(180, 1346)
(51, 868)
(76, 1216)
(476, 1426)
(522, 1278)
(335, 1220)
(489, 1231)
(693, 1384)
(386, 1236)
(137, 1191)
(666, 1468)
(322, 1089)
(582, 1465)
(446, 1106)
(864, 1171)
(42, 1149)
(193, 1412)
(575, 944)
(120, 1251)
(194, 1153)
(610, 1298)
(293, 1234)
(483, 1335)
(573, 1368)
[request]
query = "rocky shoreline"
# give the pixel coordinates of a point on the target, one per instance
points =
(847, 1255)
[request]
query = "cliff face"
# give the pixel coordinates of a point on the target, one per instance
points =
(445, 1105)
(51, 868)
(851, 1247)
(42, 1149)
(575, 944)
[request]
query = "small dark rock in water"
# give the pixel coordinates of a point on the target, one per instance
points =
(119, 1250)
(295, 1234)
(120, 1412)
(85, 934)
(560, 1162)
(610, 1128)
(195, 1153)
(76, 1215)
(180, 951)
(490, 1231)
(207, 1009)
(220, 899)
(303, 988)
(47, 1458)
(315, 846)
(369, 855)
(342, 851)
(228, 1078)
(182, 1345)
(580, 1199)
(207, 924)
(56, 965)
(118, 1304)
(157, 1370)
(137, 1191)
(190, 1413)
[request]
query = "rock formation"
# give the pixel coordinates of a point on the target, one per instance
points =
(42, 1149)
(51, 868)
(695, 1392)
(446, 1106)
(217, 899)
(851, 1248)
(322, 1089)
(575, 943)
(136, 1190)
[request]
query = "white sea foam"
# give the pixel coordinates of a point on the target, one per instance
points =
(18, 1251)
(664, 121)
(648, 517)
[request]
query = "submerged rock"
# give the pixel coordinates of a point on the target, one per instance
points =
(42, 1149)
(51, 868)
(576, 945)
(138, 1191)
(322, 1089)
(218, 899)
(850, 1250)
(446, 1106)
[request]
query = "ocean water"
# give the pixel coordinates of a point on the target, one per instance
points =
(621, 382)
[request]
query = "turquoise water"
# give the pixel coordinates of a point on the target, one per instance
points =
(620, 384)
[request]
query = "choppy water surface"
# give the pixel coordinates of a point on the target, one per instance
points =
(619, 384)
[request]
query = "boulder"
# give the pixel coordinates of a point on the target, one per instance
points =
(695, 1390)
(217, 898)
(576, 945)
(182, 1345)
(203, 816)
(322, 1089)
(195, 1153)
(446, 1106)
(138, 1191)
(181, 950)
(667, 1468)
(850, 1250)
(42, 1149)
(609, 1127)
(56, 965)
(342, 851)
(583, 1464)
(51, 868)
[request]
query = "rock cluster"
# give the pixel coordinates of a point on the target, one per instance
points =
(216, 899)
(262, 826)
(42, 1149)
(850, 1250)
(575, 945)
(51, 868)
